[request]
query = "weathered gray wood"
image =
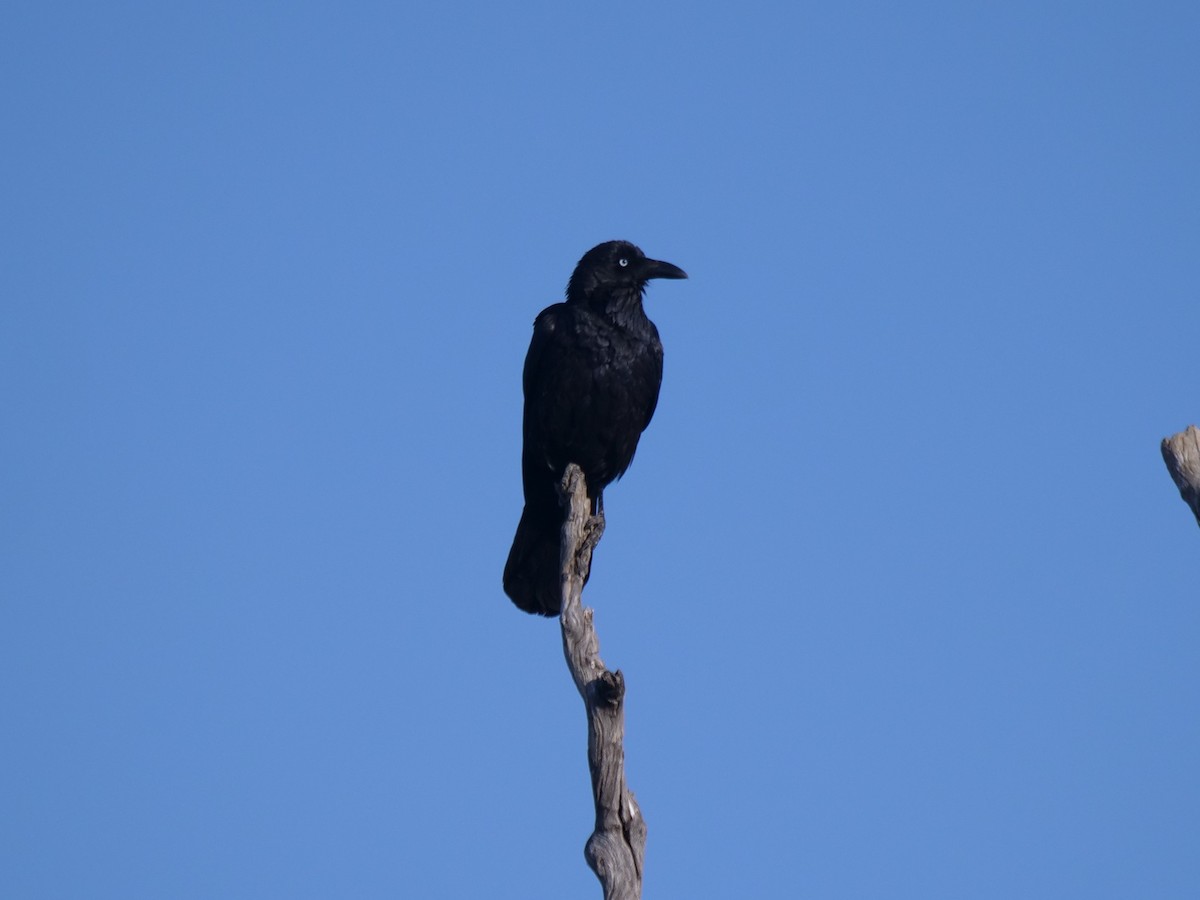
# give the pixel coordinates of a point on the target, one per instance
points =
(617, 847)
(1181, 452)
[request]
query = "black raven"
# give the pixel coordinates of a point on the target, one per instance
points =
(591, 382)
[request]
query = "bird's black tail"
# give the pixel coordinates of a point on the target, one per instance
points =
(532, 575)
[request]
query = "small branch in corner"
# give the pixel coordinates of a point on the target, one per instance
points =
(1181, 453)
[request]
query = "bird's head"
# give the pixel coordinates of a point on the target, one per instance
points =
(614, 274)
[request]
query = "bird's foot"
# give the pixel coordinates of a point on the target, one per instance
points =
(593, 530)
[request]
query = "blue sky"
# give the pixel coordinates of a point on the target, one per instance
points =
(904, 596)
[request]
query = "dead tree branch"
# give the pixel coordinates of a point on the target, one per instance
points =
(1181, 452)
(617, 847)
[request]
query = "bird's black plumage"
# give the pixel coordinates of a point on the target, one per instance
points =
(591, 382)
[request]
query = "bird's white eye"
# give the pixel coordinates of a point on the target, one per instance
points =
(622, 263)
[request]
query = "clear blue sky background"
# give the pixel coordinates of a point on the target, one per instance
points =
(905, 598)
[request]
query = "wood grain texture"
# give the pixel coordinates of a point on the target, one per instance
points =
(616, 848)
(1181, 453)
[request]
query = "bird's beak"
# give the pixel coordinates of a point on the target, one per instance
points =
(654, 268)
